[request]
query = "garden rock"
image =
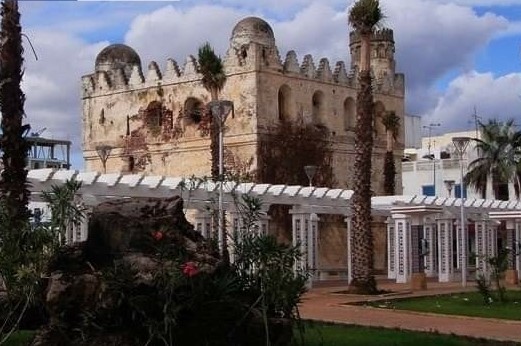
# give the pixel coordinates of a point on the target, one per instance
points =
(137, 234)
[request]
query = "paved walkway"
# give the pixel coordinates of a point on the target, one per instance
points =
(323, 304)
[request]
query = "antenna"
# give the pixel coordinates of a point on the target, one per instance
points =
(476, 118)
(430, 127)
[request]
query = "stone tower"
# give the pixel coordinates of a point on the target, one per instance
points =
(383, 65)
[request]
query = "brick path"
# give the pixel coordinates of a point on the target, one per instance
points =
(322, 304)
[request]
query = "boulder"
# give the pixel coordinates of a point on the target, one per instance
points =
(140, 234)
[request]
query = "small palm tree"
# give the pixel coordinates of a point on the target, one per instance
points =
(364, 17)
(499, 158)
(214, 78)
(212, 69)
(65, 213)
(391, 123)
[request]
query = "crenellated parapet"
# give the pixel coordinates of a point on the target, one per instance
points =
(121, 78)
(252, 49)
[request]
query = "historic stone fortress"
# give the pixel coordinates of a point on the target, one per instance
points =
(151, 120)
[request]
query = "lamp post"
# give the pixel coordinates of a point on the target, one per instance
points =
(449, 184)
(103, 151)
(310, 172)
(220, 110)
(461, 144)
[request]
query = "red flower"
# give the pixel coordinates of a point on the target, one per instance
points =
(189, 269)
(157, 235)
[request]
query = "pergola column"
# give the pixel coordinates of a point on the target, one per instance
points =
(203, 222)
(459, 243)
(517, 248)
(402, 227)
(481, 229)
(391, 249)
(445, 268)
(79, 232)
(513, 226)
(511, 275)
(492, 239)
(305, 236)
(429, 246)
(238, 226)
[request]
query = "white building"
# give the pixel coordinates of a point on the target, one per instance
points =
(433, 169)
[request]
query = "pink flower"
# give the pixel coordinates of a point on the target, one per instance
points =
(157, 235)
(189, 269)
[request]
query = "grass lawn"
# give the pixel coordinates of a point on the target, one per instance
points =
(317, 334)
(20, 338)
(465, 304)
(339, 335)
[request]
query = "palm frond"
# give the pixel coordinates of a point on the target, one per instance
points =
(391, 122)
(211, 67)
(365, 15)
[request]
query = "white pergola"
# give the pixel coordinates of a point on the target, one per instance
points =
(420, 229)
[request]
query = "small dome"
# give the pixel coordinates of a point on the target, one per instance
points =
(117, 56)
(252, 29)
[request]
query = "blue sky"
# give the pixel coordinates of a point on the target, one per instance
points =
(455, 54)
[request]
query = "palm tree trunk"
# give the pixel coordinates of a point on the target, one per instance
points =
(13, 184)
(363, 279)
(214, 141)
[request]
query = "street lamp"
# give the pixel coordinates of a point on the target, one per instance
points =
(449, 184)
(220, 111)
(310, 172)
(461, 144)
(103, 151)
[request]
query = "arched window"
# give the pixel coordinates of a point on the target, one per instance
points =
(284, 103)
(193, 111)
(154, 114)
(349, 113)
(318, 107)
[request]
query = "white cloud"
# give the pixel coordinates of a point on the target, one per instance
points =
(170, 32)
(483, 3)
(52, 84)
(493, 97)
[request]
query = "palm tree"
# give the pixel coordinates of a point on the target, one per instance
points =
(499, 158)
(214, 78)
(13, 184)
(364, 16)
(391, 123)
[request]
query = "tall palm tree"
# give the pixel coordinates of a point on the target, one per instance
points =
(364, 16)
(13, 184)
(391, 123)
(499, 152)
(214, 78)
